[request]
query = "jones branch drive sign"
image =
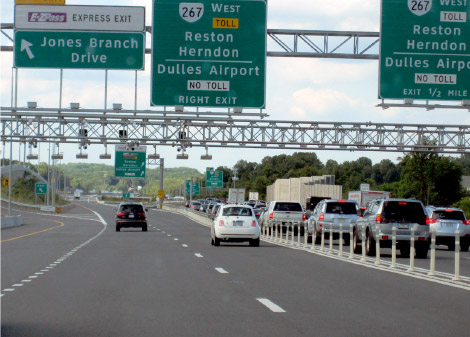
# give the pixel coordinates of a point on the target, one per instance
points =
(425, 49)
(209, 53)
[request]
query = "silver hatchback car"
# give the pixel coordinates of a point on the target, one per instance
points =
(446, 220)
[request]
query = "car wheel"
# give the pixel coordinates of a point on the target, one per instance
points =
(405, 250)
(465, 245)
(254, 243)
(370, 245)
(212, 241)
(451, 246)
(357, 248)
(118, 228)
(216, 241)
(422, 251)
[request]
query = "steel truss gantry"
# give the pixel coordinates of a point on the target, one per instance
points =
(161, 128)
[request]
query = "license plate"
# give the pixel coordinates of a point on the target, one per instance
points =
(237, 223)
(131, 216)
(449, 225)
(401, 226)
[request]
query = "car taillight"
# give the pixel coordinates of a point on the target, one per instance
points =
(322, 216)
(341, 201)
(142, 215)
(221, 223)
(271, 216)
(466, 222)
(378, 219)
(254, 223)
(304, 216)
(428, 221)
(121, 214)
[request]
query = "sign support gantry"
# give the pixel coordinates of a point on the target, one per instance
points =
(25, 125)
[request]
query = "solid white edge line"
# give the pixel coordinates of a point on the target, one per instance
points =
(270, 305)
(221, 270)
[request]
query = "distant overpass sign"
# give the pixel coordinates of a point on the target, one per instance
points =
(425, 50)
(40, 188)
(79, 50)
(209, 53)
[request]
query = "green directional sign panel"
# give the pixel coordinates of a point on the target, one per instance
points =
(40, 188)
(130, 161)
(214, 178)
(196, 190)
(425, 50)
(79, 50)
(209, 53)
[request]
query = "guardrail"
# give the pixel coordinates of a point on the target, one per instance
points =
(273, 231)
(56, 209)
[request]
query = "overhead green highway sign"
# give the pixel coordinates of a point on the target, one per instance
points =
(130, 161)
(425, 50)
(209, 53)
(196, 189)
(214, 178)
(79, 50)
(40, 188)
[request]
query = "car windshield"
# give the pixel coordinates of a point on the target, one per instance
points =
(402, 211)
(448, 215)
(237, 211)
(288, 207)
(341, 208)
(131, 209)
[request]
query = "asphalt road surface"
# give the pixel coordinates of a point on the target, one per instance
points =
(72, 274)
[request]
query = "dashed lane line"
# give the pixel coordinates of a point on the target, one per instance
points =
(270, 305)
(198, 255)
(221, 270)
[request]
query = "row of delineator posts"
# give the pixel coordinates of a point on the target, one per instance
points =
(273, 231)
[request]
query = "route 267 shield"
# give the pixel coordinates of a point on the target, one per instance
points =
(191, 11)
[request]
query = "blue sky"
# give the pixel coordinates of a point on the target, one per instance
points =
(303, 89)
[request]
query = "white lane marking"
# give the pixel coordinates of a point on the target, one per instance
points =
(26, 281)
(38, 273)
(198, 255)
(8, 289)
(1, 295)
(186, 246)
(44, 270)
(271, 306)
(176, 239)
(33, 276)
(221, 270)
(18, 285)
(169, 235)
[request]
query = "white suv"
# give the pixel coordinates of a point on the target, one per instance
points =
(445, 220)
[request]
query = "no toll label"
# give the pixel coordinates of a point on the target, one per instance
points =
(81, 50)
(209, 53)
(425, 49)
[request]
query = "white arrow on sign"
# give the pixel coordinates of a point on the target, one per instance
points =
(25, 46)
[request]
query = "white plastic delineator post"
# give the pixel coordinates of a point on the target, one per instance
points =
(363, 235)
(298, 234)
(394, 247)
(305, 235)
(331, 238)
(314, 238)
(377, 244)
(293, 235)
(432, 269)
(351, 242)
(340, 239)
(322, 244)
(412, 250)
(457, 255)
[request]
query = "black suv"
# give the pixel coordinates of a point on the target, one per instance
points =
(131, 214)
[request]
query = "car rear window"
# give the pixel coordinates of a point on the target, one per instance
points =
(288, 207)
(132, 208)
(403, 211)
(341, 208)
(237, 211)
(448, 215)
